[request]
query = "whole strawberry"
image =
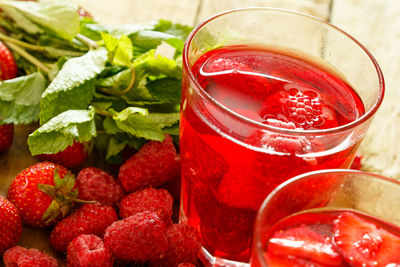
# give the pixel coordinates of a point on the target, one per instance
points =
(23, 257)
(88, 251)
(138, 238)
(88, 219)
(96, 184)
(43, 193)
(70, 157)
(9, 217)
(154, 164)
(8, 68)
(183, 246)
(6, 136)
(149, 199)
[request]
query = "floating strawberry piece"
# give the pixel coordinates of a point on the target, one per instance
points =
(23, 257)
(88, 251)
(8, 68)
(302, 242)
(200, 162)
(96, 184)
(6, 136)
(154, 164)
(70, 157)
(232, 76)
(279, 261)
(9, 217)
(362, 243)
(237, 190)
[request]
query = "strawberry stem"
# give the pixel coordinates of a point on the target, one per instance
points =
(28, 56)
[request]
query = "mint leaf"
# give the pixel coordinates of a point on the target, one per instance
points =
(173, 130)
(157, 65)
(118, 81)
(20, 20)
(20, 98)
(51, 15)
(120, 52)
(61, 132)
(164, 119)
(136, 122)
(73, 87)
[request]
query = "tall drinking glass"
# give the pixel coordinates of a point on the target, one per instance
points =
(350, 212)
(267, 94)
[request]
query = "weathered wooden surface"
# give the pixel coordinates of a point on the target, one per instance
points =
(375, 23)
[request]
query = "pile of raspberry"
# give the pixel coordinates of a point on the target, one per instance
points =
(127, 221)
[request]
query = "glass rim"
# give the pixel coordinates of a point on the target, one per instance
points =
(300, 177)
(192, 79)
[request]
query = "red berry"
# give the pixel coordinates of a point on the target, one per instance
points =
(70, 157)
(6, 136)
(356, 165)
(88, 219)
(153, 165)
(96, 184)
(304, 243)
(183, 246)
(42, 193)
(8, 68)
(9, 217)
(23, 257)
(186, 264)
(149, 199)
(362, 243)
(88, 251)
(139, 237)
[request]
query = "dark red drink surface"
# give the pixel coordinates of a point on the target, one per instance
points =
(329, 238)
(228, 168)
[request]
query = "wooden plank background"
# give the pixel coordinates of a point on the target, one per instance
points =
(375, 23)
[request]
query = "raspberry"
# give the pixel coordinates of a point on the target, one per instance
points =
(139, 237)
(149, 199)
(183, 246)
(70, 157)
(23, 257)
(154, 164)
(6, 136)
(88, 219)
(88, 251)
(96, 184)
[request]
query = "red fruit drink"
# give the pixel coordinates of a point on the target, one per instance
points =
(229, 163)
(331, 238)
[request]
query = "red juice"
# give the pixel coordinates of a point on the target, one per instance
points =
(227, 168)
(331, 238)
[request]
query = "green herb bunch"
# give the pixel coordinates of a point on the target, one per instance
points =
(86, 82)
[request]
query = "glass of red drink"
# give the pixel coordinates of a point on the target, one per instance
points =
(330, 218)
(267, 94)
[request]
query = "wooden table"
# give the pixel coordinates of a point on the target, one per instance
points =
(375, 23)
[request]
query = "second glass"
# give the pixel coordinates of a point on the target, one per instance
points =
(235, 148)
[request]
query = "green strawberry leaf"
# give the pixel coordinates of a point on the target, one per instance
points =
(60, 17)
(73, 87)
(20, 98)
(61, 132)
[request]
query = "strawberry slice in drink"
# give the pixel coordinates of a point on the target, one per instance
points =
(303, 243)
(362, 243)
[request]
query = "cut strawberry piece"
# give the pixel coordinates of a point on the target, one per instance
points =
(304, 243)
(8, 68)
(362, 243)
(234, 76)
(277, 261)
